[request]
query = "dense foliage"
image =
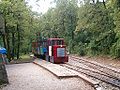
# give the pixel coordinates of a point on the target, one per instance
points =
(89, 27)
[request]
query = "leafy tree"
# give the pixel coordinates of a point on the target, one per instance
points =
(66, 12)
(15, 14)
(115, 6)
(90, 28)
(95, 19)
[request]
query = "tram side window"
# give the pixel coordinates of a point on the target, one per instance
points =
(59, 42)
(52, 42)
(56, 42)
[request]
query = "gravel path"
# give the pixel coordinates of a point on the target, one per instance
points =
(29, 76)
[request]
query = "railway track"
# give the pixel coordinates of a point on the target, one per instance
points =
(97, 66)
(94, 70)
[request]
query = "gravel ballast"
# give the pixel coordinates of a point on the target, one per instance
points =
(29, 76)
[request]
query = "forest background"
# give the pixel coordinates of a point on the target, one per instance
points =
(90, 27)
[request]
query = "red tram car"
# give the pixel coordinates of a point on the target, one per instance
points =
(52, 50)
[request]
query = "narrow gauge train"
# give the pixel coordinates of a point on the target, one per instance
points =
(51, 49)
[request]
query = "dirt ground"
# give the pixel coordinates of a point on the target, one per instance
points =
(105, 60)
(28, 76)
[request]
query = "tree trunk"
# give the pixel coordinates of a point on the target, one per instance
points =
(72, 32)
(18, 45)
(13, 44)
(6, 40)
(93, 1)
(8, 46)
(104, 4)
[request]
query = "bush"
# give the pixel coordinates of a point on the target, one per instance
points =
(115, 49)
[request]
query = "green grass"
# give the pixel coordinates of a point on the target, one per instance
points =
(23, 59)
(26, 56)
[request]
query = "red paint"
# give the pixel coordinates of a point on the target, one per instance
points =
(59, 59)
